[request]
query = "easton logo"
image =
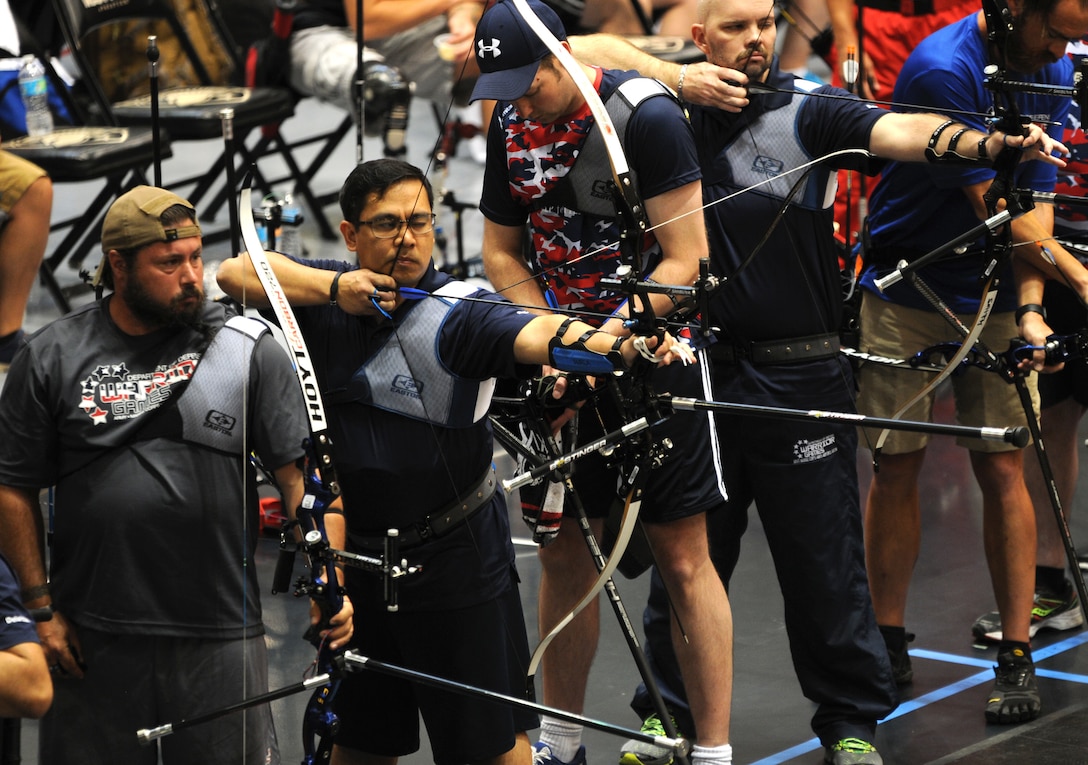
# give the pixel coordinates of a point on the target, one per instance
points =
(601, 189)
(219, 422)
(767, 166)
(403, 385)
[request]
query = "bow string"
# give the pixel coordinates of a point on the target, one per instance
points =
(634, 223)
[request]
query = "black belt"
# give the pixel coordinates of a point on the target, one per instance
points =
(902, 7)
(441, 523)
(776, 351)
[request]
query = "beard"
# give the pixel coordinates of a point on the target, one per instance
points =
(172, 314)
(755, 71)
(1021, 58)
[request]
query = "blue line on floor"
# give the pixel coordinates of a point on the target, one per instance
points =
(952, 689)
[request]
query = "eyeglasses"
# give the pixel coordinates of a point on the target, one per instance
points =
(388, 227)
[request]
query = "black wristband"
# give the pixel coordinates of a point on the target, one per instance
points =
(334, 289)
(33, 593)
(1030, 308)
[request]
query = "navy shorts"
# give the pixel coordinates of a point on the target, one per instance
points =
(483, 646)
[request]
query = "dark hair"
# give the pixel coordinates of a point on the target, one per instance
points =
(1041, 8)
(170, 218)
(375, 178)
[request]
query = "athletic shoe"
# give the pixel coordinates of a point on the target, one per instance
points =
(1052, 611)
(852, 751)
(542, 755)
(636, 752)
(1015, 697)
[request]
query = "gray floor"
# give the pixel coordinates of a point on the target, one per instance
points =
(941, 721)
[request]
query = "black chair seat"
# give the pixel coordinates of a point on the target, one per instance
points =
(75, 154)
(193, 113)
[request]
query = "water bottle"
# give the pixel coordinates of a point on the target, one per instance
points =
(32, 87)
(291, 232)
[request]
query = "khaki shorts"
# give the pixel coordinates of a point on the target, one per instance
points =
(16, 175)
(982, 398)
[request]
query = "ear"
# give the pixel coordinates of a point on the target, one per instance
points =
(117, 264)
(349, 232)
(698, 36)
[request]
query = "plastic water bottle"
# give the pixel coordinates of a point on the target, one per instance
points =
(291, 222)
(32, 87)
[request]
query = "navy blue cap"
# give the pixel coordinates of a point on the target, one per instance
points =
(509, 52)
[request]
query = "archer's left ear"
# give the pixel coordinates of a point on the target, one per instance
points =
(349, 233)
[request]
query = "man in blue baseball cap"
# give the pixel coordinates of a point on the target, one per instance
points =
(508, 52)
(546, 166)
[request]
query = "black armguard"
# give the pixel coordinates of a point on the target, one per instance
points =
(950, 156)
(576, 357)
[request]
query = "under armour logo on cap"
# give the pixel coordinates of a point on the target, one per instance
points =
(509, 52)
(482, 49)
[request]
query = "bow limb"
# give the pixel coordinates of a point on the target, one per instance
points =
(304, 367)
(321, 489)
(623, 538)
(981, 317)
(634, 214)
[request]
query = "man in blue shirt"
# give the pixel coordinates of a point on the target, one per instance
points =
(915, 209)
(780, 311)
(406, 358)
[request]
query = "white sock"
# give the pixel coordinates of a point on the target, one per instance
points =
(712, 755)
(563, 738)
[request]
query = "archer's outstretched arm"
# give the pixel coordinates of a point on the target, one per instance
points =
(905, 137)
(540, 342)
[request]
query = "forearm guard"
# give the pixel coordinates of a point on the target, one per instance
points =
(578, 357)
(950, 156)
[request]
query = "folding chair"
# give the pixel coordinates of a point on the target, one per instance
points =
(237, 37)
(115, 155)
(189, 113)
